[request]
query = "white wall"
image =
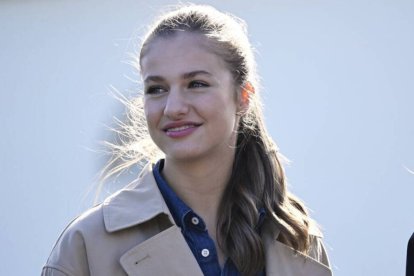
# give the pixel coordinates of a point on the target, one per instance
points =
(338, 91)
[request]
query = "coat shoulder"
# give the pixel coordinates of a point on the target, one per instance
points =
(283, 260)
(94, 242)
(69, 256)
(317, 250)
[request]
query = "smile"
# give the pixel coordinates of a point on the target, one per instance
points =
(180, 130)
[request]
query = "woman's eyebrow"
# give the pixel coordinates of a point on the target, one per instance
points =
(192, 74)
(154, 79)
(187, 75)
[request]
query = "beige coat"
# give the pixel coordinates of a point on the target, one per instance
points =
(133, 233)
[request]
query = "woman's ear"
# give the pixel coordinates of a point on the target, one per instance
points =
(246, 91)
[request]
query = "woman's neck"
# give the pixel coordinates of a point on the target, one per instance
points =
(200, 184)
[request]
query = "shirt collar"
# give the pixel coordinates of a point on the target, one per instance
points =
(180, 211)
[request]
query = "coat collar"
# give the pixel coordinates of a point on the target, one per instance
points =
(139, 202)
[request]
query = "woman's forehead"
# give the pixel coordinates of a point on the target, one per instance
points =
(185, 52)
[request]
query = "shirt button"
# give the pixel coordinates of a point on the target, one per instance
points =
(195, 220)
(205, 252)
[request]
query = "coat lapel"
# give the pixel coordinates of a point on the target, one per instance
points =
(166, 253)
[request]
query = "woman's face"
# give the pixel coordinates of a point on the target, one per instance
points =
(190, 98)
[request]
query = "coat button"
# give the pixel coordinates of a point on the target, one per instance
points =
(195, 220)
(205, 252)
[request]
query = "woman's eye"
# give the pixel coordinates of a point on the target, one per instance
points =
(197, 84)
(154, 90)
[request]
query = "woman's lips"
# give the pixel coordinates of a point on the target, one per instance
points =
(181, 130)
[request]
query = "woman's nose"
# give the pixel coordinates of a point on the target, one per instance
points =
(176, 105)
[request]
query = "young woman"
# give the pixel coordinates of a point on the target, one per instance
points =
(216, 203)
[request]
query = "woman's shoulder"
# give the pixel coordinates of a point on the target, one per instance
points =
(317, 248)
(90, 220)
(68, 256)
(281, 254)
(104, 228)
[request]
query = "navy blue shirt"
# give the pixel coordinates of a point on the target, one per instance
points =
(194, 230)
